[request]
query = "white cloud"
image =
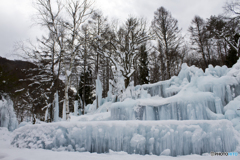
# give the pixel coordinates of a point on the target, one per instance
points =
(15, 15)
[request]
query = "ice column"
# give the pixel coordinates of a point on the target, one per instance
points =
(64, 111)
(98, 92)
(75, 108)
(56, 109)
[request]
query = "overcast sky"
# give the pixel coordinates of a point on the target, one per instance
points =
(16, 16)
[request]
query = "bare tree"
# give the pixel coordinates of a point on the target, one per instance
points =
(78, 13)
(232, 8)
(199, 37)
(166, 31)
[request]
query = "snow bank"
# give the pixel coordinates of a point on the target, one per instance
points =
(141, 137)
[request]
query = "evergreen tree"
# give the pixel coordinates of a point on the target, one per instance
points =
(143, 65)
(232, 57)
(86, 86)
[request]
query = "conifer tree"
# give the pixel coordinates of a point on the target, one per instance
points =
(86, 87)
(143, 65)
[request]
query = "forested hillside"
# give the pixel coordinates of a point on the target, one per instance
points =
(18, 80)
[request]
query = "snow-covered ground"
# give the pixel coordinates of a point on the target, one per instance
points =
(8, 152)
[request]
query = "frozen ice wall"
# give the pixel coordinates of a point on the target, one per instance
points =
(192, 95)
(187, 105)
(141, 137)
(222, 81)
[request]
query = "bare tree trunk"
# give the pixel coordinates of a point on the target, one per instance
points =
(108, 75)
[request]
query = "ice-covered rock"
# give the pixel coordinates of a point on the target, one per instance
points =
(140, 137)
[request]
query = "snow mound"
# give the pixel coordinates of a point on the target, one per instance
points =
(141, 137)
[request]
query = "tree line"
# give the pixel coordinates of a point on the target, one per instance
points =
(81, 44)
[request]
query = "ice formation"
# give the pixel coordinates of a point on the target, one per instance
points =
(75, 108)
(140, 137)
(232, 113)
(64, 111)
(56, 107)
(7, 115)
(192, 113)
(98, 92)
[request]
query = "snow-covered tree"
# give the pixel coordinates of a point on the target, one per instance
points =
(48, 52)
(123, 47)
(117, 84)
(226, 29)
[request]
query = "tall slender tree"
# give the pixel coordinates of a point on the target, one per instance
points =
(143, 66)
(199, 37)
(166, 31)
(78, 13)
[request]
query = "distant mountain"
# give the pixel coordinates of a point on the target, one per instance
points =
(28, 96)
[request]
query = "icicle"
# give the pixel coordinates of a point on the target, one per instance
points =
(218, 104)
(75, 108)
(81, 104)
(229, 93)
(110, 93)
(56, 109)
(46, 115)
(64, 111)
(98, 92)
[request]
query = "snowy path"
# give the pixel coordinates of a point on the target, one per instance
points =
(8, 152)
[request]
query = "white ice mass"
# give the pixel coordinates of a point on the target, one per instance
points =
(192, 113)
(7, 115)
